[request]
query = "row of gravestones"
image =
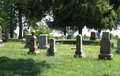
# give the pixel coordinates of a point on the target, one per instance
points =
(31, 44)
(95, 36)
(105, 47)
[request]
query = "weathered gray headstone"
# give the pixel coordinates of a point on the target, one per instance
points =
(52, 51)
(43, 41)
(28, 40)
(1, 42)
(118, 46)
(85, 37)
(79, 53)
(33, 48)
(5, 37)
(105, 47)
(98, 35)
(93, 36)
(116, 37)
(106, 36)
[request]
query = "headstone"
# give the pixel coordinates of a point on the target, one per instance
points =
(118, 46)
(1, 42)
(85, 37)
(98, 35)
(70, 37)
(33, 48)
(43, 41)
(5, 37)
(79, 53)
(93, 36)
(105, 47)
(28, 40)
(116, 37)
(112, 45)
(52, 51)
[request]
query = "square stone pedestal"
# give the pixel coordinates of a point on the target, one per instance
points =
(52, 52)
(34, 52)
(79, 56)
(108, 56)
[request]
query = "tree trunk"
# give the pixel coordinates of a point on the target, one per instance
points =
(20, 23)
(80, 30)
(99, 30)
(65, 32)
(11, 29)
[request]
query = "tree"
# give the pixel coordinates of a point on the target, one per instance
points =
(102, 16)
(9, 16)
(97, 14)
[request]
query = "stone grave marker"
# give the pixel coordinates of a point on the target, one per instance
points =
(33, 48)
(93, 36)
(43, 41)
(79, 53)
(118, 46)
(1, 42)
(5, 37)
(105, 47)
(98, 35)
(28, 40)
(85, 37)
(52, 51)
(116, 37)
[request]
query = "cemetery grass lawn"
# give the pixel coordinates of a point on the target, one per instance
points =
(14, 61)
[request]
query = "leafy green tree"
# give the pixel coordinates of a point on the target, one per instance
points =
(9, 15)
(42, 30)
(97, 14)
(101, 15)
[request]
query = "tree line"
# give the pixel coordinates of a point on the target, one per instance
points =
(75, 14)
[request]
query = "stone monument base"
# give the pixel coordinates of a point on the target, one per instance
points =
(1, 45)
(43, 47)
(52, 52)
(1, 41)
(108, 56)
(118, 51)
(72, 48)
(79, 56)
(34, 52)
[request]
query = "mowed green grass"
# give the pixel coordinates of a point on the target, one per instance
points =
(14, 61)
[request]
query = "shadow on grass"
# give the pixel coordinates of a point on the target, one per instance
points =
(22, 67)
